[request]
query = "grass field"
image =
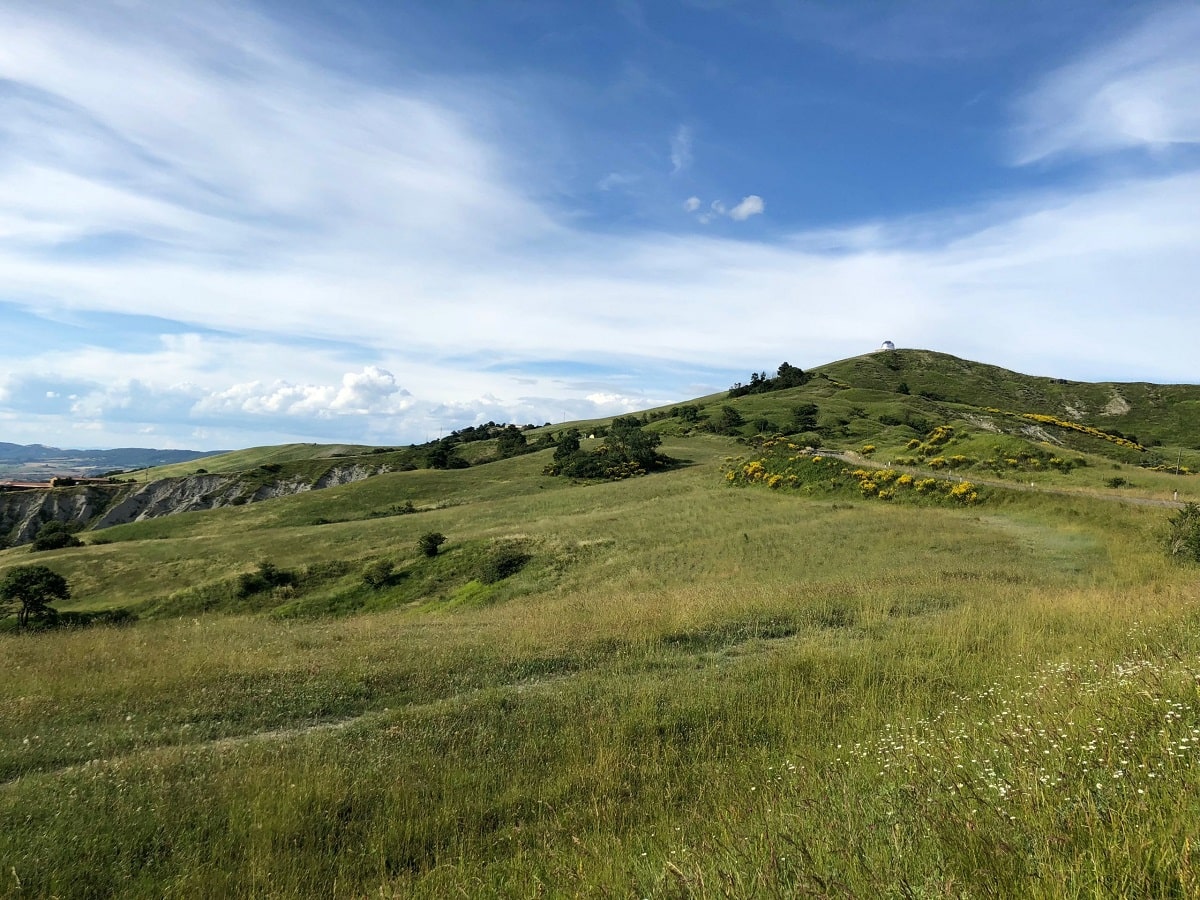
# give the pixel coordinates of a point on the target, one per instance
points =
(690, 690)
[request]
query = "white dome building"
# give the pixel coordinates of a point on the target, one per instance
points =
(887, 345)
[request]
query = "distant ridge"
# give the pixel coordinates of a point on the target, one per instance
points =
(38, 459)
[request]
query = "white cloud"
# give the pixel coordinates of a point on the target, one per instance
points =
(326, 241)
(750, 206)
(681, 149)
(1137, 91)
(372, 391)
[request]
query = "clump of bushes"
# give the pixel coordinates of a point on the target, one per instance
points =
(267, 576)
(627, 450)
(55, 535)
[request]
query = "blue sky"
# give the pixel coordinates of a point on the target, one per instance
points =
(228, 224)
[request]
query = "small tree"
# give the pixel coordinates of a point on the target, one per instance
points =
(429, 542)
(54, 535)
(568, 445)
(630, 444)
(804, 416)
(728, 421)
(511, 442)
(33, 588)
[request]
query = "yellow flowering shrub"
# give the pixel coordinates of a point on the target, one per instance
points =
(964, 492)
(1083, 429)
(781, 471)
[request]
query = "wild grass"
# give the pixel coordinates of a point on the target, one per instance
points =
(691, 690)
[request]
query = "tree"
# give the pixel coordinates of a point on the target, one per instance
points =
(34, 588)
(789, 376)
(728, 421)
(629, 443)
(804, 416)
(568, 445)
(54, 535)
(688, 413)
(511, 442)
(444, 455)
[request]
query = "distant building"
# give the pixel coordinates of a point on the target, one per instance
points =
(888, 345)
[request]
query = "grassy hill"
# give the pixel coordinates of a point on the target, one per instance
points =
(250, 458)
(676, 685)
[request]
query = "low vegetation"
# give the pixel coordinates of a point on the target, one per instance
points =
(762, 671)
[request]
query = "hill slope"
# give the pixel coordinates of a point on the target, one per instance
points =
(660, 686)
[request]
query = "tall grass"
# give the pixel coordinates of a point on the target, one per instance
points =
(698, 691)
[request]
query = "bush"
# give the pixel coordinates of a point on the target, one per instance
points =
(429, 542)
(379, 574)
(503, 561)
(1183, 539)
(55, 535)
(268, 576)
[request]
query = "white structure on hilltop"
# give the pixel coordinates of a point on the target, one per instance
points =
(888, 345)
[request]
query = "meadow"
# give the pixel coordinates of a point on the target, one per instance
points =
(691, 689)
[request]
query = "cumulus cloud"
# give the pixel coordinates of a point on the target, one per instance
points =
(691, 204)
(1137, 91)
(750, 206)
(373, 391)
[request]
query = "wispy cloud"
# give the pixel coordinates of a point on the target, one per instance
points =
(1137, 91)
(351, 259)
(751, 205)
(681, 149)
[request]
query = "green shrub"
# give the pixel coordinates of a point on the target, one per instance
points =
(55, 535)
(1183, 539)
(503, 561)
(429, 542)
(379, 574)
(268, 576)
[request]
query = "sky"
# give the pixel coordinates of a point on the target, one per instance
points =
(232, 224)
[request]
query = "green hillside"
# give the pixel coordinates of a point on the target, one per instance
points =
(1150, 413)
(759, 672)
(250, 458)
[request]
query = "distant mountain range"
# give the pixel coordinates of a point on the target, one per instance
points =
(33, 461)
